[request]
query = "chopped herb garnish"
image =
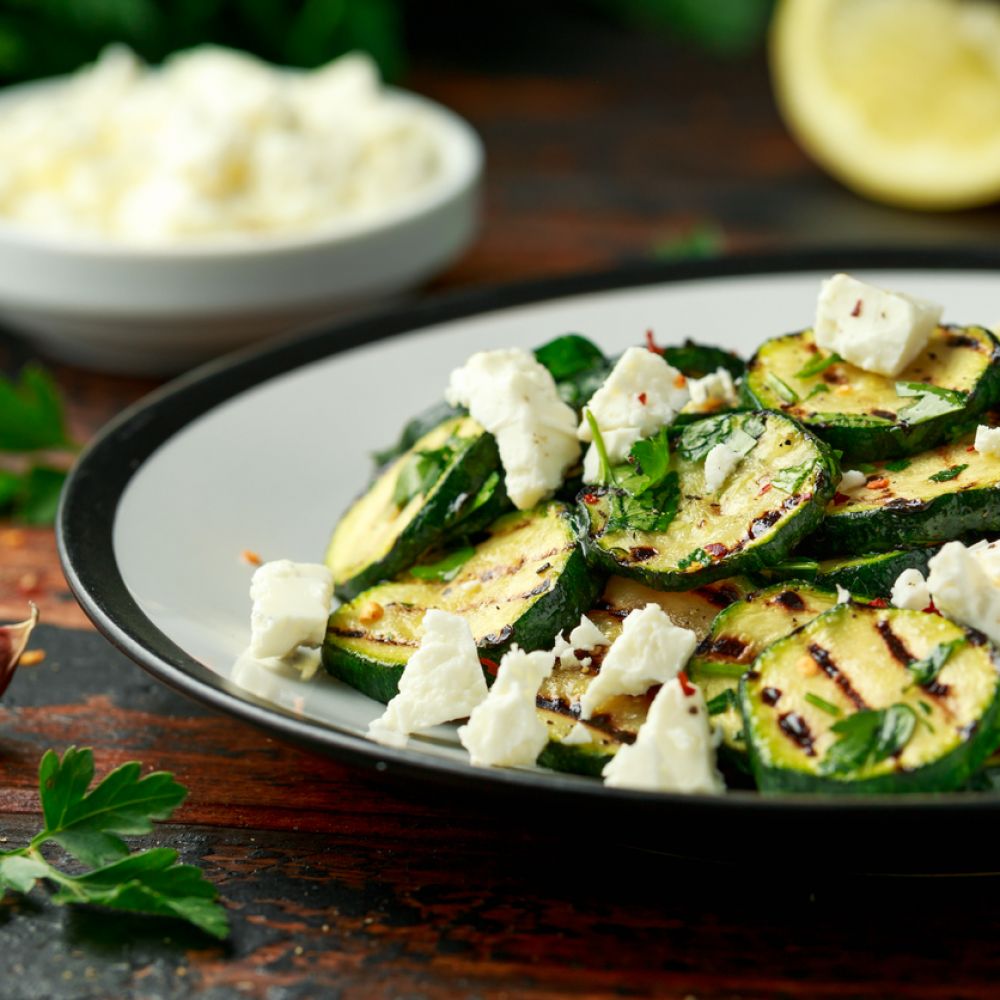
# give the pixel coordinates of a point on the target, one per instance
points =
(866, 467)
(925, 706)
(738, 431)
(947, 474)
(652, 510)
(781, 388)
(808, 568)
(89, 827)
(421, 470)
(712, 668)
(868, 737)
(446, 568)
(605, 474)
(817, 365)
(697, 558)
(898, 465)
(791, 478)
(931, 401)
(822, 704)
(817, 390)
(722, 702)
(925, 671)
(650, 459)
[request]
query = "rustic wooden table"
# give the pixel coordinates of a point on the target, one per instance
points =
(339, 886)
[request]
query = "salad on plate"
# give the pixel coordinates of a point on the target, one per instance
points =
(677, 571)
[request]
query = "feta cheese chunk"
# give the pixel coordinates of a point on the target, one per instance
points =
(988, 441)
(517, 401)
(642, 394)
(876, 330)
(650, 650)
(504, 730)
(719, 464)
(843, 595)
(964, 584)
(442, 681)
(910, 591)
(674, 750)
(714, 391)
(586, 637)
(291, 603)
(851, 480)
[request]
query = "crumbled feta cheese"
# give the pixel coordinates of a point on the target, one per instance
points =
(965, 586)
(715, 390)
(214, 142)
(851, 480)
(291, 604)
(719, 464)
(504, 730)
(577, 736)
(988, 441)
(303, 661)
(442, 681)
(843, 595)
(585, 637)
(674, 750)
(642, 394)
(876, 330)
(910, 591)
(650, 650)
(515, 398)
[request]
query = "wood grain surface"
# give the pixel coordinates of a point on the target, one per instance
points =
(601, 145)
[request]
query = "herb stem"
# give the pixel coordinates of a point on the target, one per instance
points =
(605, 472)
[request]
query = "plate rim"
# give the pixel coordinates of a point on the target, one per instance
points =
(97, 482)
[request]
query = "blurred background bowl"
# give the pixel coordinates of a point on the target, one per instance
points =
(139, 310)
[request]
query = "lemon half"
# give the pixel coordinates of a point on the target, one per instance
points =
(899, 99)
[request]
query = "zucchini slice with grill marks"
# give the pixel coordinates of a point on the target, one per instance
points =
(418, 501)
(690, 536)
(525, 583)
(621, 718)
(739, 634)
(870, 575)
(862, 413)
(933, 497)
(872, 700)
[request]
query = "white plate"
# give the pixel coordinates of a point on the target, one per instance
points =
(266, 452)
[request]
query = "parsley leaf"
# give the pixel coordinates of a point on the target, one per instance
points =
(31, 413)
(868, 737)
(925, 671)
(822, 704)
(738, 431)
(816, 390)
(931, 401)
(817, 365)
(421, 470)
(898, 465)
(652, 510)
(946, 474)
(89, 824)
(447, 568)
(790, 479)
(650, 459)
(722, 702)
(699, 557)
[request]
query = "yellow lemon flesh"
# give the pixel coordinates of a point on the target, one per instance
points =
(899, 99)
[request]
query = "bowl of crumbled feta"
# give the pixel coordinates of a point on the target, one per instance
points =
(151, 218)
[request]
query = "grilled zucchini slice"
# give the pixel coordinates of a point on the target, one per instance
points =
(869, 575)
(620, 721)
(933, 497)
(738, 635)
(525, 583)
(417, 502)
(850, 703)
(771, 500)
(861, 413)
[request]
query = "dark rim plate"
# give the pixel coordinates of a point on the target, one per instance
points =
(87, 515)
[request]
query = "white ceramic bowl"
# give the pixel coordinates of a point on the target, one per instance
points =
(136, 310)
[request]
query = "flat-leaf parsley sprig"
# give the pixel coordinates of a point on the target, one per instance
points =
(89, 825)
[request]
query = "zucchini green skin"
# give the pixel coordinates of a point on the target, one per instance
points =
(526, 582)
(869, 575)
(423, 423)
(739, 634)
(861, 667)
(770, 524)
(912, 509)
(588, 759)
(867, 421)
(375, 539)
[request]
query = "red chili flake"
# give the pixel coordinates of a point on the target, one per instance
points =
(879, 602)
(651, 344)
(877, 484)
(680, 381)
(686, 686)
(839, 498)
(590, 498)
(856, 311)
(764, 489)
(931, 609)
(491, 665)
(716, 550)
(642, 398)
(971, 447)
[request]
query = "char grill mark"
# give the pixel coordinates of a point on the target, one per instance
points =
(797, 730)
(826, 663)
